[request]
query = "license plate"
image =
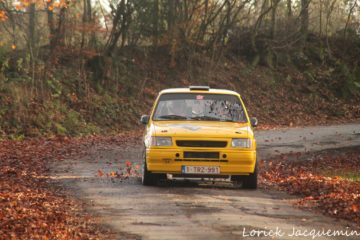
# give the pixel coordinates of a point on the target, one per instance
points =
(200, 169)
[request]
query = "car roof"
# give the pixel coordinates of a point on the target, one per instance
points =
(187, 90)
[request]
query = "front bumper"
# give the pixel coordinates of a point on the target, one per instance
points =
(170, 160)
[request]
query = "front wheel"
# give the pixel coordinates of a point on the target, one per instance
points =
(250, 182)
(147, 178)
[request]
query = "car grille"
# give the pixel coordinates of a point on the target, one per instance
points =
(192, 143)
(200, 160)
(214, 155)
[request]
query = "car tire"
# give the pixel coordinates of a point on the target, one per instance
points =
(237, 181)
(246, 182)
(147, 178)
(250, 181)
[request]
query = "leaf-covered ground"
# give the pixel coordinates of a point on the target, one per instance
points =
(33, 208)
(326, 181)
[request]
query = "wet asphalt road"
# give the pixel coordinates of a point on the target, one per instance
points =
(180, 210)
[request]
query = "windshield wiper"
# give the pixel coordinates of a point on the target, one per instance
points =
(209, 118)
(227, 120)
(206, 118)
(172, 117)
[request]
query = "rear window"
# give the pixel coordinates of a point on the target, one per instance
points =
(197, 106)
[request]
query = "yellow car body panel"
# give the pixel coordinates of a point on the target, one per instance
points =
(170, 159)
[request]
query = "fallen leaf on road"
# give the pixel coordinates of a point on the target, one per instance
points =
(100, 173)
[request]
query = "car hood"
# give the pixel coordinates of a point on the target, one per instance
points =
(202, 129)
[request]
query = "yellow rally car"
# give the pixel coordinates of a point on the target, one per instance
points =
(198, 132)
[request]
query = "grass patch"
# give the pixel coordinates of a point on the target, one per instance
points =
(351, 176)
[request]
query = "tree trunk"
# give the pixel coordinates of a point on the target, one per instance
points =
(171, 18)
(86, 22)
(348, 17)
(320, 18)
(51, 25)
(304, 22)
(273, 18)
(172, 31)
(60, 38)
(263, 13)
(289, 9)
(126, 23)
(156, 24)
(329, 11)
(32, 24)
(116, 29)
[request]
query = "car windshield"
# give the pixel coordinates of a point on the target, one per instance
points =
(201, 107)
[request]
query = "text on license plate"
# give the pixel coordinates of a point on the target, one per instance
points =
(200, 169)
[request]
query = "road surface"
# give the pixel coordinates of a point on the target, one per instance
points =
(182, 210)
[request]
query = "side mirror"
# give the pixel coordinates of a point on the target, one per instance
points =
(144, 119)
(253, 121)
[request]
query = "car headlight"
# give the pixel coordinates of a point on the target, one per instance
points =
(161, 141)
(241, 142)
